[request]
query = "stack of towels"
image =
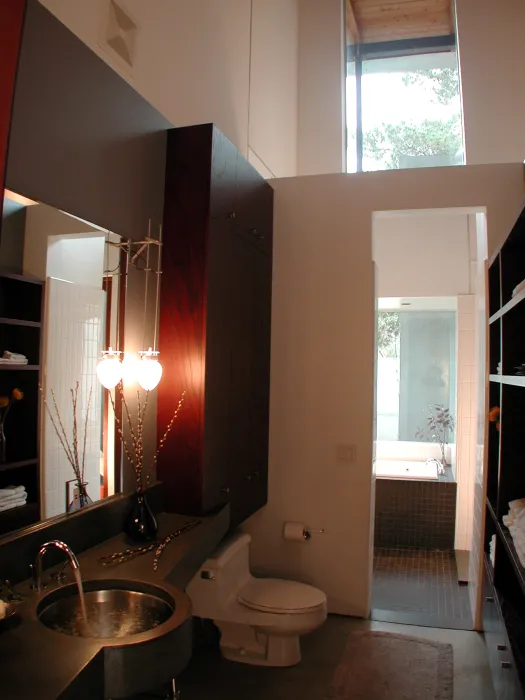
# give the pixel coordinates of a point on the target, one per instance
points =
(12, 497)
(499, 367)
(492, 550)
(13, 358)
(515, 521)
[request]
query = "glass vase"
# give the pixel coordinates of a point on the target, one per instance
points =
(140, 524)
(77, 496)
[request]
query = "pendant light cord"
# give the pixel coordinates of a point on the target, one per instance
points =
(146, 289)
(157, 300)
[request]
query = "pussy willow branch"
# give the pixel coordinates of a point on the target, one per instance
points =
(85, 433)
(137, 460)
(74, 397)
(170, 424)
(120, 433)
(69, 451)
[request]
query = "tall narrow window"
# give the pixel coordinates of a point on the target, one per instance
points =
(411, 112)
(403, 104)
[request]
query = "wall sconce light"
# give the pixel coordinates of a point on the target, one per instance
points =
(147, 371)
(109, 369)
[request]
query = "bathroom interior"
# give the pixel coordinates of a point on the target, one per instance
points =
(426, 410)
(182, 515)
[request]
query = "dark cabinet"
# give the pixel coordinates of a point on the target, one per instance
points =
(11, 21)
(215, 324)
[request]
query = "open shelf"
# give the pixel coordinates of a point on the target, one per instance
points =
(516, 299)
(8, 466)
(506, 538)
(507, 379)
(18, 322)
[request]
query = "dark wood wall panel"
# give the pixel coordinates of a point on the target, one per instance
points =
(182, 329)
(11, 22)
(82, 139)
(215, 325)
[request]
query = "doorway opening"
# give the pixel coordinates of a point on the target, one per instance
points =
(426, 404)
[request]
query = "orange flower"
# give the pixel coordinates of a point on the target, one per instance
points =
(18, 395)
(494, 414)
(4, 401)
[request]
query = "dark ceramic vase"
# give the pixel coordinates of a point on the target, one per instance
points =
(140, 524)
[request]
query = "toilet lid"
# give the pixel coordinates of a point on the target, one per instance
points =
(275, 595)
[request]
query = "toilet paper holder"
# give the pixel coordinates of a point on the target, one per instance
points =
(308, 532)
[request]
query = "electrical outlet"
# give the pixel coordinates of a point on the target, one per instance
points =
(346, 453)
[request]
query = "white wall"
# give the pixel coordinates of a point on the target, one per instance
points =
(322, 381)
(199, 61)
(76, 259)
(466, 420)
(322, 72)
(490, 40)
(273, 84)
(42, 222)
(421, 254)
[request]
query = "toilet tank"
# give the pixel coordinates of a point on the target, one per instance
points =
(221, 576)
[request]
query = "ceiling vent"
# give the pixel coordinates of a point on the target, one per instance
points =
(120, 34)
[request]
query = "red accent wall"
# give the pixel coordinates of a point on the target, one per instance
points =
(11, 22)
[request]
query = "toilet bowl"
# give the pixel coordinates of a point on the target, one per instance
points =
(260, 619)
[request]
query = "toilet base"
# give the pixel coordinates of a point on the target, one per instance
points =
(246, 645)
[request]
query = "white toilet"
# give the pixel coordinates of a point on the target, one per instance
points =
(260, 619)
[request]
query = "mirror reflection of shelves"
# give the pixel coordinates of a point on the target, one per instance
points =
(20, 332)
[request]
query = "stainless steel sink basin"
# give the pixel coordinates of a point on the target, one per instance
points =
(114, 609)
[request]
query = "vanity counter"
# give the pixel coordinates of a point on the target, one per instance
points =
(37, 662)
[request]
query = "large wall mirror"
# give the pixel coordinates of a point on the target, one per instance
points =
(83, 147)
(59, 308)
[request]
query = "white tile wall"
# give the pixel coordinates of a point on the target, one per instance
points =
(466, 419)
(73, 339)
(478, 505)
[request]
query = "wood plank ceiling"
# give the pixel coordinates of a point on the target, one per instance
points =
(370, 21)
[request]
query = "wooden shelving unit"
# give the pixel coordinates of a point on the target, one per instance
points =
(504, 581)
(21, 331)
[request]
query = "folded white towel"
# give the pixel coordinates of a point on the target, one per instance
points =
(518, 503)
(10, 491)
(8, 355)
(16, 497)
(13, 504)
(518, 288)
(5, 361)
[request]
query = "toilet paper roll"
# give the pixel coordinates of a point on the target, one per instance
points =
(295, 532)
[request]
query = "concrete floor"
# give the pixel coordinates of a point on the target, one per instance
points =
(210, 677)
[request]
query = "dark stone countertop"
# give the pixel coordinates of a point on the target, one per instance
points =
(36, 662)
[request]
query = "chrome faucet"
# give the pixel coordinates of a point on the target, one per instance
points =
(39, 557)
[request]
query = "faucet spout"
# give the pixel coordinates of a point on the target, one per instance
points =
(40, 556)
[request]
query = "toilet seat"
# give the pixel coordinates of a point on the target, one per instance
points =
(278, 596)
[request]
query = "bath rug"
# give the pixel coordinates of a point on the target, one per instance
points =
(384, 666)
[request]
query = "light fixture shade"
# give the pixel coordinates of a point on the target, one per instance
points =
(149, 373)
(109, 371)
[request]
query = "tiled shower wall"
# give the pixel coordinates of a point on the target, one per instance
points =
(72, 344)
(478, 513)
(466, 418)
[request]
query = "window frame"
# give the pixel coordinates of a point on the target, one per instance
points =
(357, 53)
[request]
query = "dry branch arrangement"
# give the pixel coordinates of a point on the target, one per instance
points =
(135, 452)
(70, 445)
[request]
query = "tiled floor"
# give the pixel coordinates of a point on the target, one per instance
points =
(211, 678)
(418, 586)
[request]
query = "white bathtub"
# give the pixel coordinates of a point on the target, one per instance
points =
(404, 469)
